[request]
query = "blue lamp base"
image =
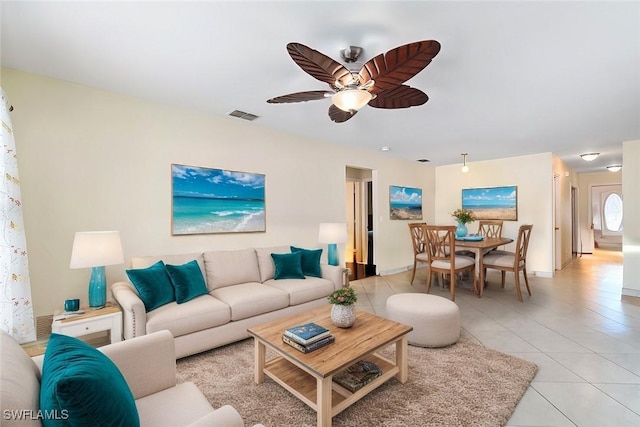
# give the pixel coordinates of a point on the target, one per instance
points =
(97, 288)
(333, 254)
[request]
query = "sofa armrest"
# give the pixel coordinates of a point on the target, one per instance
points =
(148, 363)
(225, 416)
(134, 315)
(338, 275)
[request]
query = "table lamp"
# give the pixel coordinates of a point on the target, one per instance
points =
(96, 249)
(332, 233)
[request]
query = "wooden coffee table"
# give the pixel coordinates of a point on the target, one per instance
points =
(309, 376)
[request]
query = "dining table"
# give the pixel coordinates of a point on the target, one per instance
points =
(479, 249)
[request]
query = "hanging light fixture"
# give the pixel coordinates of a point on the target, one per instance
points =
(614, 168)
(465, 168)
(351, 99)
(589, 157)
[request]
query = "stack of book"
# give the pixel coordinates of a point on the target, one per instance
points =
(358, 375)
(307, 337)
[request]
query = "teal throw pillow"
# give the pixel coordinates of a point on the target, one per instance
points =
(82, 387)
(288, 266)
(153, 285)
(310, 261)
(187, 281)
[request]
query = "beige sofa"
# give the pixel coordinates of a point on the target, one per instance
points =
(148, 365)
(242, 293)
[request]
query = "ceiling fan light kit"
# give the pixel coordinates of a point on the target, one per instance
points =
(379, 83)
(589, 157)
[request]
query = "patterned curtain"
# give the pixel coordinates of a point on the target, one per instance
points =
(16, 310)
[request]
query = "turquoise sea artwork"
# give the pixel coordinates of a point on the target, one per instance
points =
(405, 202)
(208, 200)
(492, 203)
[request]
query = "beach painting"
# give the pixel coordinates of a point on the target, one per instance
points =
(492, 203)
(405, 202)
(216, 201)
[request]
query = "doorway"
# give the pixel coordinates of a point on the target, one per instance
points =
(606, 216)
(359, 249)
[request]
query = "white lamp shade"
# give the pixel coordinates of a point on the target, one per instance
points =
(332, 232)
(96, 248)
(351, 99)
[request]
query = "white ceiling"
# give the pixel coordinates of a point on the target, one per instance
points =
(512, 78)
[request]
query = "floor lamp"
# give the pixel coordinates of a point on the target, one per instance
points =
(332, 233)
(96, 249)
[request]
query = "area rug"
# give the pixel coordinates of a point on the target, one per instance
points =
(465, 384)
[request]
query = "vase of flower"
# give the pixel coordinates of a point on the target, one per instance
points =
(462, 216)
(343, 311)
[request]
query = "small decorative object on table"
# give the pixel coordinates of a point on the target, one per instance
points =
(358, 375)
(307, 337)
(463, 216)
(343, 312)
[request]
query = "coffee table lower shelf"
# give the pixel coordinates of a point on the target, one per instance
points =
(304, 386)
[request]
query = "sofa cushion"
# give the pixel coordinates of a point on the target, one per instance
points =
(147, 261)
(20, 381)
(265, 262)
(203, 312)
(187, 281)
(82, 385)
(288, 266)
(301, 291)
(226, 268)
(153, 285)
(251, 299)
(310, 261)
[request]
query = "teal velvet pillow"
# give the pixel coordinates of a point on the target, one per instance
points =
(288, 266)
(310, 261)
(82, 387)
(153, 285)
(187, 281)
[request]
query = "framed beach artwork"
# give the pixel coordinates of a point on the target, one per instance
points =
(492, 203)
(405, 202)
(216, 201)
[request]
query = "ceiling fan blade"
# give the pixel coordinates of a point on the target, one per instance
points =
(402, 96)
(318, 65)
(311, 95)
(340, 116)
(398, 65)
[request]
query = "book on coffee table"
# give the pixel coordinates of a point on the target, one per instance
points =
(358, 375)
(309, 347)
(307, 333)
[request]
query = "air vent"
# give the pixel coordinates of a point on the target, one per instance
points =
(242, 115)
(424, 160)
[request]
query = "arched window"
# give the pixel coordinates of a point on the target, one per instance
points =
(613, 212)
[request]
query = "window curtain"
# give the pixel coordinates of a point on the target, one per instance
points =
(16, 310)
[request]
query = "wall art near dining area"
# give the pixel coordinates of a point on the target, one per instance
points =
(492, 203)
(216, 201)
(405, 202)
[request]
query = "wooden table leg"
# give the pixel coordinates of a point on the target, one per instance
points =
(324, 401)
(260, 353)
(480, 272)
(402, 361)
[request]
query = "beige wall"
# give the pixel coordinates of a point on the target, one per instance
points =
(94, 160)
(631, 206)
(534, 178)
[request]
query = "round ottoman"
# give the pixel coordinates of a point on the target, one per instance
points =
(435, 320)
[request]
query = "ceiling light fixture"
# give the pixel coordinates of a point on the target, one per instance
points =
(351, 99)
(614, 168)
(589, 157)
(385, 148)
(465, 168)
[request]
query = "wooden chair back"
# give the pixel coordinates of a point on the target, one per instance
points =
(440, 242)
(522, 245)
(490, 228)
(417, 237)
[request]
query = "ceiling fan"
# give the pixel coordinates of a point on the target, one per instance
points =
(379, 82)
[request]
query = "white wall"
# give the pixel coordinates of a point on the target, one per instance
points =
(94, 160)
(534, 178)
(631, 207)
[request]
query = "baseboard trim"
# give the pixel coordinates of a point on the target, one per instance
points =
(397, 270)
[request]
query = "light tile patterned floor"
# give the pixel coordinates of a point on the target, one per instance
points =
(584, 339)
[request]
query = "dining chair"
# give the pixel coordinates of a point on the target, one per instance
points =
(419, 248)
(440, 242)
(514, 262)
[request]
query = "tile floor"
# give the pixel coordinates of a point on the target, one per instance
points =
(584, 339)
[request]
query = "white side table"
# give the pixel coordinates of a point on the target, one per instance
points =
(108, 318)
